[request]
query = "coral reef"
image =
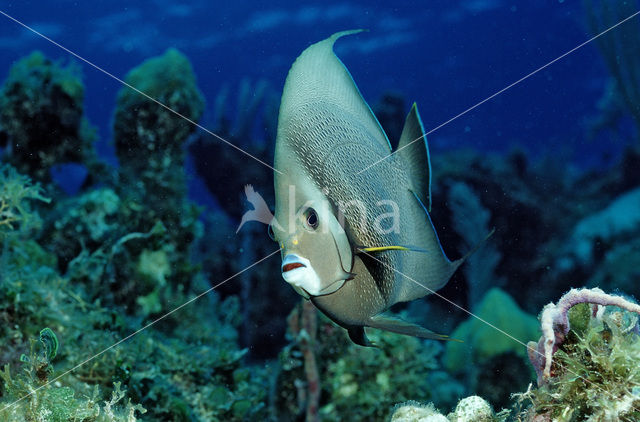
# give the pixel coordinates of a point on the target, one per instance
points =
(469, 409)
(619, 48)
(618, 269)
(619, 219)
(16, 217)
(30, 395)
(174, 374)
(144, 128)
(494, 340)
(484, 341)
(83, 223)
(413, 411)
(108, 237)
(356, 383)
(555, 324)
(588, 360)
(42, 121)
(472, 408)
(92, 269)
(81, 273)
(471, 221)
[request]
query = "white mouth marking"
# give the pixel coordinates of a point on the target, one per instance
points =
(298, 272)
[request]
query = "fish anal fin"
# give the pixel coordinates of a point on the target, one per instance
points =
(413, 150)
(399, 326)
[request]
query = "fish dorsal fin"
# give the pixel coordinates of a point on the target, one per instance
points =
(318, 76)
(413, 150)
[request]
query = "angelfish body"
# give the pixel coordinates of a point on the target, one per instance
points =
(341, 246)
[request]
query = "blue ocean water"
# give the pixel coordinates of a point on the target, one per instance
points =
(446, 56)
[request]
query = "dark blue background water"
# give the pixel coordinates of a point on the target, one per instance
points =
(445, 55)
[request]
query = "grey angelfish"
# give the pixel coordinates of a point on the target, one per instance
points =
(334, 251)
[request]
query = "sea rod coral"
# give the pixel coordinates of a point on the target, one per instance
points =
(555, 324)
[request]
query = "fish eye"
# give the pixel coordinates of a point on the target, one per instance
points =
(272, 235)
(311, 218)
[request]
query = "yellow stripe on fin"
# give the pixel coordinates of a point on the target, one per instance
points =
(393, 248)
(384, 248)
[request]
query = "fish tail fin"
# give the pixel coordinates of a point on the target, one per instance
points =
(473, 250)
(424, 276)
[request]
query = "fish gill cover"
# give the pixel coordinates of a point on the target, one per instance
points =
(134, 294)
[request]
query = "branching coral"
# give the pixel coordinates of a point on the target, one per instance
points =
(15, 211)
(595, 372)
(555, 325)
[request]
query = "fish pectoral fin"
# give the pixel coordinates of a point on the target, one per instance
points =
(332, 288)
(397, 325)
(392, 248)
(359, 337)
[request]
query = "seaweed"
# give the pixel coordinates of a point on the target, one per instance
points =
(30, 395)
(595, 373)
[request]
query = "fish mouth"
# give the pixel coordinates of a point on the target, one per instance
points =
(292, 262)
(292, 266)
